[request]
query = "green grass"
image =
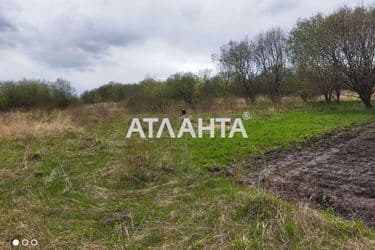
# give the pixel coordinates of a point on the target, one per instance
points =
(97, 189)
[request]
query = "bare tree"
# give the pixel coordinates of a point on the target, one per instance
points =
(353, 32)
(269, 48)
(236, 61)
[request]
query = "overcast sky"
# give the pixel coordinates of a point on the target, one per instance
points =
(92, 42)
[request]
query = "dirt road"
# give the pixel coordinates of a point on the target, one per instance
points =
(336, 171)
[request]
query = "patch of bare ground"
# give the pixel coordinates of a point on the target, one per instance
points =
(334, 171)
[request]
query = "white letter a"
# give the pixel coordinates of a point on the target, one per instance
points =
(135, 127)
(237, 128)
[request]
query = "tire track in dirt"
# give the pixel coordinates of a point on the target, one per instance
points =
(335, 170)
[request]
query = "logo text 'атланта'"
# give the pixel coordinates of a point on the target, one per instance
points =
(186, 128)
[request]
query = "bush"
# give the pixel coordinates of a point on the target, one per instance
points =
(35, 93)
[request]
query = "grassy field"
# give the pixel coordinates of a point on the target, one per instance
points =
(91, 188)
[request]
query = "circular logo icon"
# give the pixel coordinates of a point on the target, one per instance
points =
(246, 115)
(15, 242)
(34, 242)
(25, 242)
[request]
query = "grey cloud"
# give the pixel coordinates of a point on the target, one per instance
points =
(78, 49)
(191, 12)
(62, 57)
(70, 40)
(124, 40)
(78, 53)
(6, 25)
(67, 41)
(281, 6)
(99, 40)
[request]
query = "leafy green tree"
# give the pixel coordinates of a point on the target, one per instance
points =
(63, 92)
(184, 86)
(312, 50)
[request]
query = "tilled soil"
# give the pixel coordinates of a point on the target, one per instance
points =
(335, 171)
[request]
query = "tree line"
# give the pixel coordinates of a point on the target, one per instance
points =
(36, 93)
(337, 52)
(320, 56)
(327, 54)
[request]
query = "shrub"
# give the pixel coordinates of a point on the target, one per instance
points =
(28, 94)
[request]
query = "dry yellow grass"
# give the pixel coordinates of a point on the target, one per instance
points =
(35, 123)
(82, 115)
(20, 124)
